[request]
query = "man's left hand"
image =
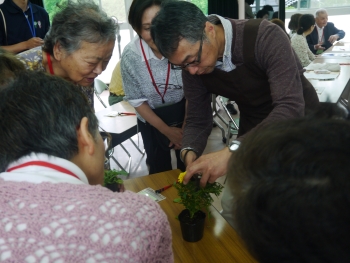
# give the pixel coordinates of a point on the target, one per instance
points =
(333, 38)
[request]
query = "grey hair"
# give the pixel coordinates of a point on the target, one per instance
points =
(40, 113)
(77, 22)
(175, 21)
(320, 11)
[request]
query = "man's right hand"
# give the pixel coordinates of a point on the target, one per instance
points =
(319, 47)
(34, 42)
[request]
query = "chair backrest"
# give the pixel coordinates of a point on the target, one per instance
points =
(99, 87)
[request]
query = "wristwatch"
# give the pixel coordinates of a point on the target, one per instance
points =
(234, 145)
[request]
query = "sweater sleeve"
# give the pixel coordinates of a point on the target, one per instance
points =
(199, 119)
(338, 32)
(274, 54)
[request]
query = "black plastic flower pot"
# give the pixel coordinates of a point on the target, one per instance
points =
(115, 187)
(192, 228)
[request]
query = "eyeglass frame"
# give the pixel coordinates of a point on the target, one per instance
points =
(193, 63)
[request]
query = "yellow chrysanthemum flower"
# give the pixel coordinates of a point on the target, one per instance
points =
(181, 177)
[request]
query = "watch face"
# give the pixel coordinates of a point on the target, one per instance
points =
(234, 147)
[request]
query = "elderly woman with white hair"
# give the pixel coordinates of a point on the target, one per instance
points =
(77, 47)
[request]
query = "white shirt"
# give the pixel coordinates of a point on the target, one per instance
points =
(38, 174)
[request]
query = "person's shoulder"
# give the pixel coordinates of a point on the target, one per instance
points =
(37, 8)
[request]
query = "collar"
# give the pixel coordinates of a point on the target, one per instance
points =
(14, 9)
(226, 64)
(39, 174)
(319, 28)
(148, 51)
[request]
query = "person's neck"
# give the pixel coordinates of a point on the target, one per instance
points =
(220, 38)
(319, 26)
(23, 4)
(157, 53)
(57, 69)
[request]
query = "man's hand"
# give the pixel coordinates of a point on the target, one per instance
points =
(211, 166)
(34, 42)
(319, 47)
(174, 134)
(333, 38)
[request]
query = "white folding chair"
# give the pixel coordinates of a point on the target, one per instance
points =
(99, 87)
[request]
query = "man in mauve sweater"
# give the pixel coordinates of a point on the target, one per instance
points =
(53, 206)
(248, 61)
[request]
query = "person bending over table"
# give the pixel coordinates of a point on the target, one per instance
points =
(78, 46)
(154, 89)
(52, 204)
(261, 73)
(324, 34)
(298, 41)
(291, 186)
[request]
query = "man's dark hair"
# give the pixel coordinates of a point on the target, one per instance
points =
(268, 8)
(136, 11)
(291, 186)
(305, 22)
(261, 13)
(41, 113)
(175, 21)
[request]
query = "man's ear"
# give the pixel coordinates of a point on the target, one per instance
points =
(86, 141)
(58, 52)
(209, 29)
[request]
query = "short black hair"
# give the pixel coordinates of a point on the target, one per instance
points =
(291, 186)
(175, 21)
(305, 22)
(261, 13)
(136, 11)
(268, 8)
(40, 113)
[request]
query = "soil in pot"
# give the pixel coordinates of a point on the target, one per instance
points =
(192, 228)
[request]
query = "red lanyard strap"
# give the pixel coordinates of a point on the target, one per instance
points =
(49, 63)
(44, 164)
(150, 73)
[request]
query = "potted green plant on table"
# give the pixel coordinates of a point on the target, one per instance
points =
(194, 198)
(112, 180)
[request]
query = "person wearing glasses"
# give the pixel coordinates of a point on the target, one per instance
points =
(305, 27)
(249, 61)
(53, 205)
(154, 88)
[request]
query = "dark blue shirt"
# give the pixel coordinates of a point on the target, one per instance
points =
(18, 28)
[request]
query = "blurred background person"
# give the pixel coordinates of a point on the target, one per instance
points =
(280, 23)
(305, 27)
(291, 185)
(78, 46)
(324, 34)
(248, 9)
(154, 89)
(51, 170)
(269, 9)
(23, 25)
(293, 24)
(263, 14)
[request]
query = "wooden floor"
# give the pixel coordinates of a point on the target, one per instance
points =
(138, 164)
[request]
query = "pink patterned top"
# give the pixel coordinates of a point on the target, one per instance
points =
(76, 222)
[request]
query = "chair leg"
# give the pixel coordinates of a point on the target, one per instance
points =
(129, 162)
(142, 152)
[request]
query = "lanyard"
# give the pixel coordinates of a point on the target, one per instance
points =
(49, 63)
(150, 73)
(44, 164)
(31, 27)
(320, 39)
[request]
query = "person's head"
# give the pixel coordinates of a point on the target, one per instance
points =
(280, 23)
(275, 14)
(294, 22)
(140, 18)
(291, 186)
(184, 35)
(47, 114)
(321, 17)
(264, 14)
(306, 24)
(9, 66)
(268, 8)
(81, 40)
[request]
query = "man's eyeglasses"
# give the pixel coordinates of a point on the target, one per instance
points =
(193, 63)
(107, 139)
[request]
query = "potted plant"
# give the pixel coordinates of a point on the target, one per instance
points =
(194, 198)
(112, 180)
